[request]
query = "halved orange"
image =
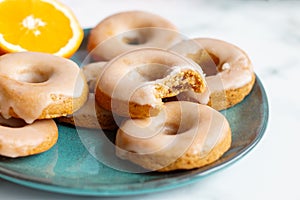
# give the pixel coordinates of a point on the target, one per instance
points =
(38, 25)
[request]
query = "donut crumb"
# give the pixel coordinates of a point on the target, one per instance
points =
(180, 82)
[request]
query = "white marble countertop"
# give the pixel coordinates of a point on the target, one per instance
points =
(269, 31)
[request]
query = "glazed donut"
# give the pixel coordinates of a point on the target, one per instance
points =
(90, 115)
(185, 135)
(229, 71)
(134, 84)
(126, 31)
(18, 139)
(39, 85)
(91, 72)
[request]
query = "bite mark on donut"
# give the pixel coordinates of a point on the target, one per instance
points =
(180, 82)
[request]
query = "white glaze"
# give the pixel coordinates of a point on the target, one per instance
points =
(134, 75)
(90, 114)
(180, 128)
(18, 141)
(106, 40)
(91, 72)
(27, 81)
(237, 69)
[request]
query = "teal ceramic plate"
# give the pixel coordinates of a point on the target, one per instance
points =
(69, 167)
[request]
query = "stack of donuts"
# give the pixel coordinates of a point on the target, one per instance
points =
(159, 92)
(34, 88)
(169, 90)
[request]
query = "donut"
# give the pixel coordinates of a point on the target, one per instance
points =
(129, 30)
(91, 72)
(185, 135)
(228, 69)
(40, 86)
(90, 115)
(135, 83)
(18, 139)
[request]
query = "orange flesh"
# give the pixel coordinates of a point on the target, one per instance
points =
(34, 25)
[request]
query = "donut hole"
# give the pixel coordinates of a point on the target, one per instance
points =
(208, 61)
(136, 37)
(33, 76)
(133, 41)
(171, 129)
(175, 129)
(12, 122)
(148, 72)
(169, 99)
